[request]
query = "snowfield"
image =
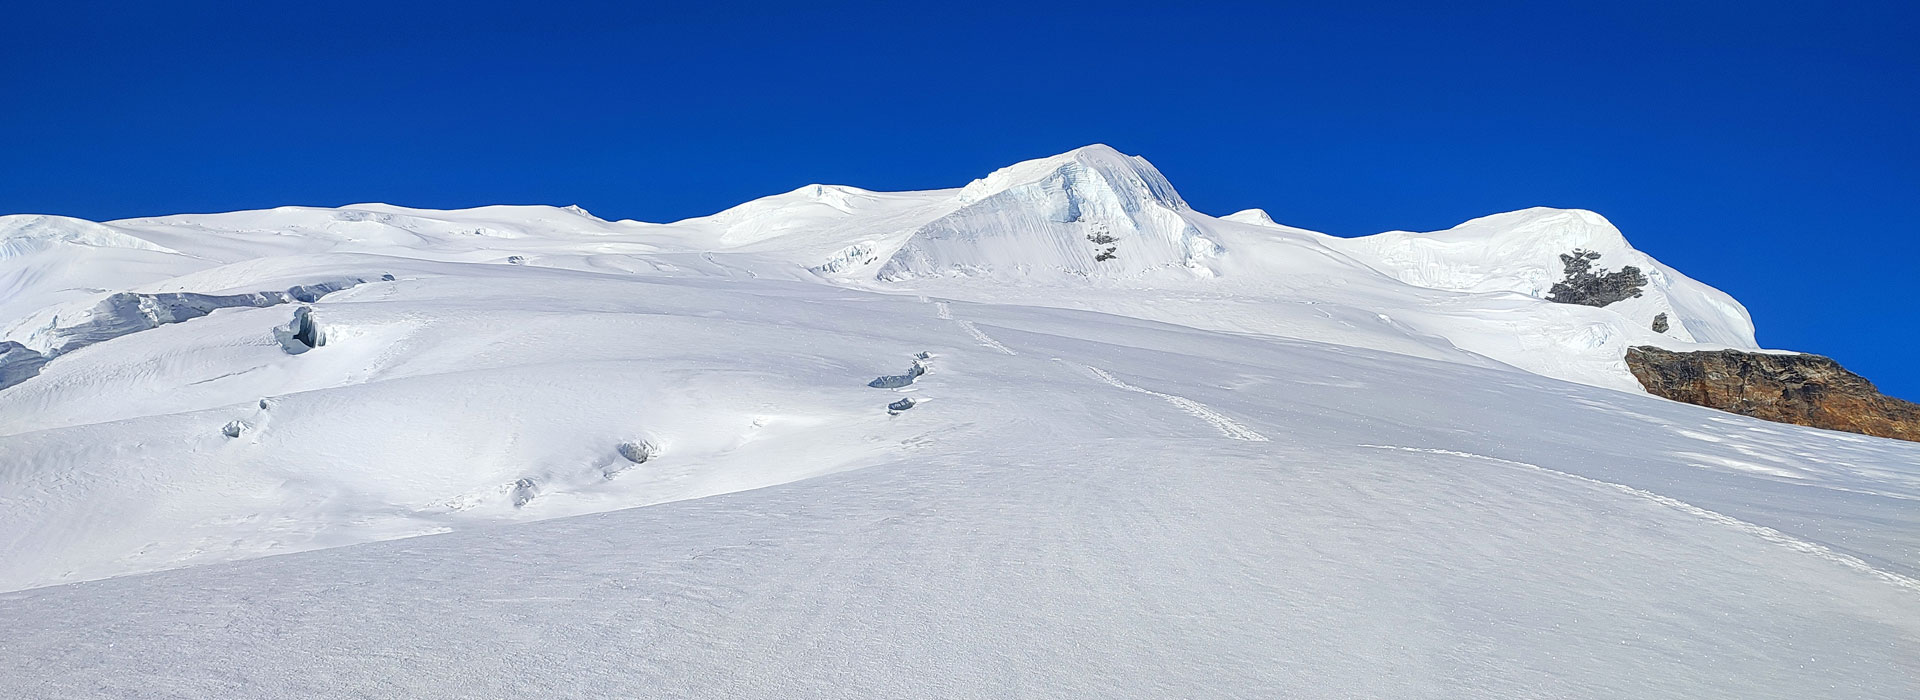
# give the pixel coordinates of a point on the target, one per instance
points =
(1050, 434)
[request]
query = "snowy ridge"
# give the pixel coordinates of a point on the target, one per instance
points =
(1258, 217)
(1519, 252)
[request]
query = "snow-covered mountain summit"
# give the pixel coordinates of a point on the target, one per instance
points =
(1052, 432)
(1071, 214)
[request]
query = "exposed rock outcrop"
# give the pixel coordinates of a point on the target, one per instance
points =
(1801, 389)
(1660, 323)
(1587, 286)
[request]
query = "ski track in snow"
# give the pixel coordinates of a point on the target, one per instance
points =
(728, 269)
(945, 312)
(984, 339)
(1761, 531)
(1227, 426)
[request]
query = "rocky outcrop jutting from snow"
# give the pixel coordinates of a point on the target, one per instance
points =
(1787, 388)
(1588, 286)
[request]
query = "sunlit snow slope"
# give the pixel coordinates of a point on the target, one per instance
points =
(1132, 450)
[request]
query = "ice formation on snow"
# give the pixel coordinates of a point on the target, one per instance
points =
(301, 334)
(18, 363)
(898, 381)
(638, 451)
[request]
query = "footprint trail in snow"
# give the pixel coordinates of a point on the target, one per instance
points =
(1227, 426)
(946, 314)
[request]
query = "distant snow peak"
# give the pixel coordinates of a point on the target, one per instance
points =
(1097, 168)
(836, 195)
(1090, 212)
(1256, 216)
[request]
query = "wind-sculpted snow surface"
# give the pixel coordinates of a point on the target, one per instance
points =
(1234, 459)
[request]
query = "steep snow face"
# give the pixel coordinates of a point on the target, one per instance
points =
(1088, 213)
(1521, 252)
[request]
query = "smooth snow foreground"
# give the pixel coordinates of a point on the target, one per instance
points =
(1148, 453)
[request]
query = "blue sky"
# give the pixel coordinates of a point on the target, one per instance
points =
(1767, 148)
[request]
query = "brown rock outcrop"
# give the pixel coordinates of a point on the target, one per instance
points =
(1800, 389)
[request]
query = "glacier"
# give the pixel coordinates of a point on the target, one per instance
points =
(382, 451)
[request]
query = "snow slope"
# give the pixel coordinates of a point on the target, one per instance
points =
(1238, 459)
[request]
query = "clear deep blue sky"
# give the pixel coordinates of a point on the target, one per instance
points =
(1771, 149)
